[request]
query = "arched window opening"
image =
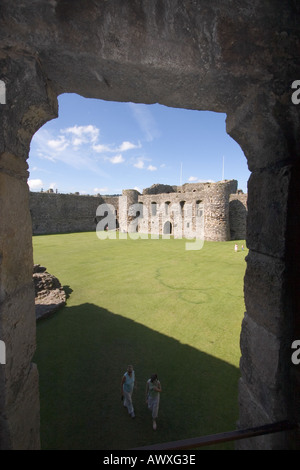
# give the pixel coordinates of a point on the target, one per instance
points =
(167, 206)
(167, 229)
(153, 208)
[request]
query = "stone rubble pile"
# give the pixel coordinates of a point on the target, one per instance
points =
(49, 294)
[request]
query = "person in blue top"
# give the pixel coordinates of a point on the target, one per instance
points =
(127, 385)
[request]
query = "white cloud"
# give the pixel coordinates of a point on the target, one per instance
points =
(128, 146)
(77, 141)
(100, 148)
(193, 178)
(66, 154)
(101, 190)
(35, 184)
(117, 159)
(138, 189)
(59, 145)
(78, 146)
(139, 164)
(43, 156)
(82, 134)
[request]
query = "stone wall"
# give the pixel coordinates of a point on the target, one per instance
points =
(175, 211)
(63, 213)
(238, 216)
(223, 218)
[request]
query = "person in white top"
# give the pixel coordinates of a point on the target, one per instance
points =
(153, 391)
(127, 386)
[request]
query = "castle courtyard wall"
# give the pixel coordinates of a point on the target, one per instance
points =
(65, 213)
(222, 208)
(182, 208)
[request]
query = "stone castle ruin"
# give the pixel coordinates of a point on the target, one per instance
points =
(160, 209)
(237, 57)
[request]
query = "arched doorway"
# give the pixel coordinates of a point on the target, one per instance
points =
(167, 228)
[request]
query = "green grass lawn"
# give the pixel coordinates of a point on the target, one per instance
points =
(155, 305)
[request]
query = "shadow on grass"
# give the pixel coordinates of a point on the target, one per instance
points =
(82, 353)
(68, 291)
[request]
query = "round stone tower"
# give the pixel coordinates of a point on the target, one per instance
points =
(216, 214)
(126, 214)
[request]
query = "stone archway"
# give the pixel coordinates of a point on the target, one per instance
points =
(240, 59)
(167, 228)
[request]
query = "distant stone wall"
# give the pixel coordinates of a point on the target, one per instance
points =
(65, 213)
(166, 209)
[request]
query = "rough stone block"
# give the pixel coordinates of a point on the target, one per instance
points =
(264, 289)
(15, 234)
(18, 331)
(252, 415)
(267, 211)
(262, 368)
(266, 144)
(23, 415)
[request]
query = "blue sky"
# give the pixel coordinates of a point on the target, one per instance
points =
(97, 146)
